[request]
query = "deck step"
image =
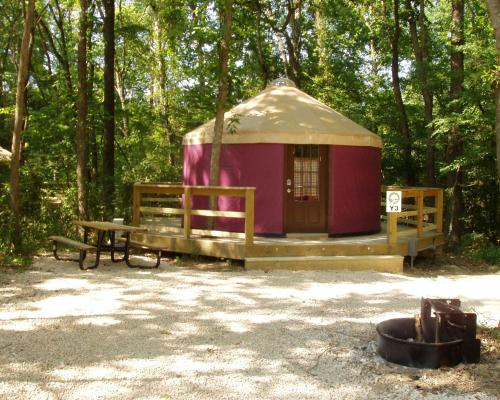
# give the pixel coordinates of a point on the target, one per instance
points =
(71, 242)
(382, 263)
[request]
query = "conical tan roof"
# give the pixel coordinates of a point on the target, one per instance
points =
(283, 114)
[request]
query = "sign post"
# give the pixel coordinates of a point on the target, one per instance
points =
(392, 207)
(393, 201)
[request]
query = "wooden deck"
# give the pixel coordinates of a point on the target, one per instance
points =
(351, 252)
(384, 251)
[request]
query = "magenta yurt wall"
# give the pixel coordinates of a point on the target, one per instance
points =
(256, 165)
(354, 195)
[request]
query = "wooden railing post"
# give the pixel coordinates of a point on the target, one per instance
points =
(249, 215)
(392, 227)
(136, 206)
(420, 212)
(439, 210)
(187, 212)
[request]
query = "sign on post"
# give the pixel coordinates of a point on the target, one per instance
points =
(393, 201)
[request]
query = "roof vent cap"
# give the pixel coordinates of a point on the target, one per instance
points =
(281, 82)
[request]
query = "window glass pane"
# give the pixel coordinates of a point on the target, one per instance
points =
(306, 172)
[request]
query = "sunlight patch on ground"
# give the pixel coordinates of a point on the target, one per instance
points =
(20, 326)
(64, 283)
(98, 321)
(89, 373)
(291, 388)
(252, 318)
(98, 390)
(99, 302)
(377, 301)
(376, 318)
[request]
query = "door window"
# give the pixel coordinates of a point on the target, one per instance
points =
(306, 172)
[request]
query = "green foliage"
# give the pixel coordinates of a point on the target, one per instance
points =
(478, 247)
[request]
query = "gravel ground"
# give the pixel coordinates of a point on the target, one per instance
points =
(192, 333)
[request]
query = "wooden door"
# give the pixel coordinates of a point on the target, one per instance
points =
(306, 188)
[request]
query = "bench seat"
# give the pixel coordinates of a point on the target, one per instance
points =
(72, 243)
(142, 246)
(82, 247)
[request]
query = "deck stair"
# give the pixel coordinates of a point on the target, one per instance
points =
(381, 263)
(304, 248)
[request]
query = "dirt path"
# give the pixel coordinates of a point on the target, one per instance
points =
(186, 333)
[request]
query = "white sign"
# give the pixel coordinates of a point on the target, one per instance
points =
(393, 201)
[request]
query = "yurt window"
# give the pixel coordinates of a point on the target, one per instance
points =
(306, 172)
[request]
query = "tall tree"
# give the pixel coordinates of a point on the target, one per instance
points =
(121, 73)
(222, 95)
(261, 57)
(20, 121)
(396, 88)
(58, 16)
(420, 43)
(494, 11)
(7, 45)
(288, 30)
(82, 112)
(108, 171)
(159, 76)
(455, 141)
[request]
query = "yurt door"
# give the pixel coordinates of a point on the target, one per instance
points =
(306, 188)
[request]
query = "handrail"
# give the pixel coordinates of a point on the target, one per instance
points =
(187, 211)
(415, 214)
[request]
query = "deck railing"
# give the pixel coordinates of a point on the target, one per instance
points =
(421, 208)
(160, 201)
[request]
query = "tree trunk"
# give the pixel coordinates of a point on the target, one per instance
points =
(293, 58)
(3, 65)
(122, 96)
(121, 76)
(374, 58)
(159, 73)
(289, 38)
(455, 140)
(421, 52)
(59, 19)
(221, 96)
(266, 76)
(93, 149)
(19, 122)
(108, 170)
(494, 11)
(294, 41)
(60, 54)
(396, 88)
(82, 111)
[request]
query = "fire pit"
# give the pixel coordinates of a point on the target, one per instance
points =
(426, 341)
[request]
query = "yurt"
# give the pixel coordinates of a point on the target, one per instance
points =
(314, 170)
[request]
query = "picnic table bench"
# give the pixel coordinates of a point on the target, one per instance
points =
(82, 247)
(103, 228)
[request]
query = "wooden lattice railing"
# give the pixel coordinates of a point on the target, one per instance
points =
(160, 207)
(422, 208)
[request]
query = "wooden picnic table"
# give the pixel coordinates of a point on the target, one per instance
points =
(102, 228)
